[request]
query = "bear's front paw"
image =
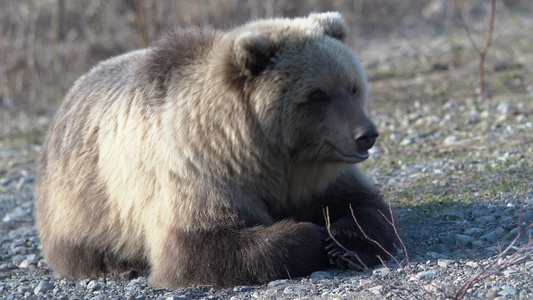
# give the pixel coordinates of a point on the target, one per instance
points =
(343, 258)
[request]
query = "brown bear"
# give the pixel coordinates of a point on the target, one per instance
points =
(209, 157)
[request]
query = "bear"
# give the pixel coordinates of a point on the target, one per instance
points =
(210, 157)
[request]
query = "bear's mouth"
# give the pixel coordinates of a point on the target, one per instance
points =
(360, 155)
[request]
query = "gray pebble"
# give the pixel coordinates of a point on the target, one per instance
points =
(477, 244)
(445, 262)
(276, 283)
(241, 288)
(94, 285)
(473, 231)
(376, 289)
(489, 237)
(447, 241)
(463, 240)
(427, 274)
(451, 139)
(439, 248)
(43, 287)
(320, 275)
(381, 271)
(295, 289)
(486, 219)
(134, 287)
(508, 291)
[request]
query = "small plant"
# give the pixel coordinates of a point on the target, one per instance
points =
(482, 52)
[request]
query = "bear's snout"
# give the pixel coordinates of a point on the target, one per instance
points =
(366, 138)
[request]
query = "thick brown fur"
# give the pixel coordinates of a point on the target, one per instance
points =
(209, 157)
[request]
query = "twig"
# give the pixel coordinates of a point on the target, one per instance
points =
(408, 267)
(350, 253)
(482, 52)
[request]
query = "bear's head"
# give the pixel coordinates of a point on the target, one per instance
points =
(304, 86)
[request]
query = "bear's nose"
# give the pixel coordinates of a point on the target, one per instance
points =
(366, 138)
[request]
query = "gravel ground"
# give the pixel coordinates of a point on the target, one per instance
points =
(455, 169)
(446, 249)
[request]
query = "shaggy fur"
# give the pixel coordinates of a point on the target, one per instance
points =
(209, 157)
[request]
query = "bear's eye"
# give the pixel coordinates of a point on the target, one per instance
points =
(354, 90)
(317, 97)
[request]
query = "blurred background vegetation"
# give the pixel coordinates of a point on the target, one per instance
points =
(45, 45)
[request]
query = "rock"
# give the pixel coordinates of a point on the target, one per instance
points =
(241, 288)
(43, 287)
(427, 274)
(486, 219)
(25, 264)
(489, 237)
(508, 291)
(381, 271)
(477, 244)
(510, 273)
(320, 275)
(448, 241)
(439, 248)
(436, 255)
(463, 240)
(376, 289)
(276, 283)
(473, 231)
(94, 285)
(491, 295)
(499, 231)
(450, 139)
(294, 289)
(444, 263)
(134, 287)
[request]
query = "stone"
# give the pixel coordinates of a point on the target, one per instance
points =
(94, 285)
(381, 271)
(320, 275)
(439, 248)
(134, 287)
(486, 219)
(427, 274)
(448, 241)
(43, 287)
(463, 240)
(294, 289)
(444, 263)
(242, 288)
(277, 283)
(489, 237)
(473, 231)
(477, 244)
(376, 289)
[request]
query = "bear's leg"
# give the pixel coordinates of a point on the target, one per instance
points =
(79, 260)
(227, 257)
(73, 260)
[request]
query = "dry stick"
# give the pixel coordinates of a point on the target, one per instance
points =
(408, 270)
(483, 52)
(488, 42)
(328, 228)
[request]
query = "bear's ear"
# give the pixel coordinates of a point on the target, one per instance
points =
(332, 23)
(252, 52)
